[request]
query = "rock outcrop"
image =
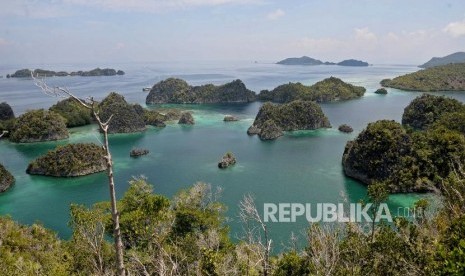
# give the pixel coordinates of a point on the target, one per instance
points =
(345, 128)
(6, 112)
(186, 119)
(174, 90)
(6, 179)
(38, 126)
(270, 131)
(229, 118)
(69, 161)
(138, 152)
(381, 91)
(228, 160)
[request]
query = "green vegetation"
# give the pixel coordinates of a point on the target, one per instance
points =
(423, 111)
(187, 236)
(449, 77)
(174, 90)
(70, 160)
(227, 160)
(6, 179)
(406, 159)
(154, 118)
(327, 90)
(6, 112)
(37, 126)
(74, 113)
(125, 118)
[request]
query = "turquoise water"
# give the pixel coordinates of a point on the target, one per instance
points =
(301, 167)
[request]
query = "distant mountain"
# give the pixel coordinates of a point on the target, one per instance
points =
(300, 61)
(458, 57)
(311, 61)
(352, 62)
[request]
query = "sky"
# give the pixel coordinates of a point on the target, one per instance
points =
(118, 31)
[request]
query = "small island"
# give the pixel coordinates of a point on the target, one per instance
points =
(186, 119)
(126, 118)
(138, 152)
(304, 60)
(272, 119)
(381, 91)
(449, 77)
(6, 179)
(230, 118)
(345, 128)
(328, 90)
(41, 73)
(458, 57)
(228, 160)
(410, 161)
(69, 161)
(178, 91)
(39, 126)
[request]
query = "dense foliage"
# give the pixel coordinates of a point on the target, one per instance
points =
(426, 109)
(458, 57)
(406, 160)
(327, 90)
(37, 126)
(6, 112)
(125, 117)
(74, 113)
(6, 179)
(70, 160)
(449, 77)
(296, 115)
(174, 90)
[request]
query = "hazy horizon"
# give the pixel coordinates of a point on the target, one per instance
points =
(119, 31)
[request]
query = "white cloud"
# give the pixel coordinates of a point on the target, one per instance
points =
(275, 14)
(4, 42)
(365, 34)
(154, 5)
(455, 29)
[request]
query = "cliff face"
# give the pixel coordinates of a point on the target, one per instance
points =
(39, 125)
(297, 115)
(70, 160)
(126, 118)
(6, 179)
(6, 112)
(327, 90)
(178, 91)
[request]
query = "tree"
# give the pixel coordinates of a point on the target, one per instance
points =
(90, 103)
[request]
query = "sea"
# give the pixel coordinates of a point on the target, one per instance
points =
(300, 167)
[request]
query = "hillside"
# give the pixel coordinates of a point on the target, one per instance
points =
(449, 77)
(458, 57)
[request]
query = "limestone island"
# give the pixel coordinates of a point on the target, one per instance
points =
(304, 60)
(228, 160)
(272, 119)
(410, 161)
(327, 90)
(458, 57)
(26, 73)
(138, 152)
(6, 179)
(125, 117)
(449, 77)
(230, 118)
(6, 112)
(178, 91)
(69, 161)
(381, 91)
(38, 126)
(186, 119)
(345, 128)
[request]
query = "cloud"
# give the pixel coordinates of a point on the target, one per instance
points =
(155, 5)
(4, 42)
(365, 34)
(275, 14)
(455, 29)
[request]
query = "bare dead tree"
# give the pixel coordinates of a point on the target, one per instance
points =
(254, 225)
(90, 104)
(3, 133)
